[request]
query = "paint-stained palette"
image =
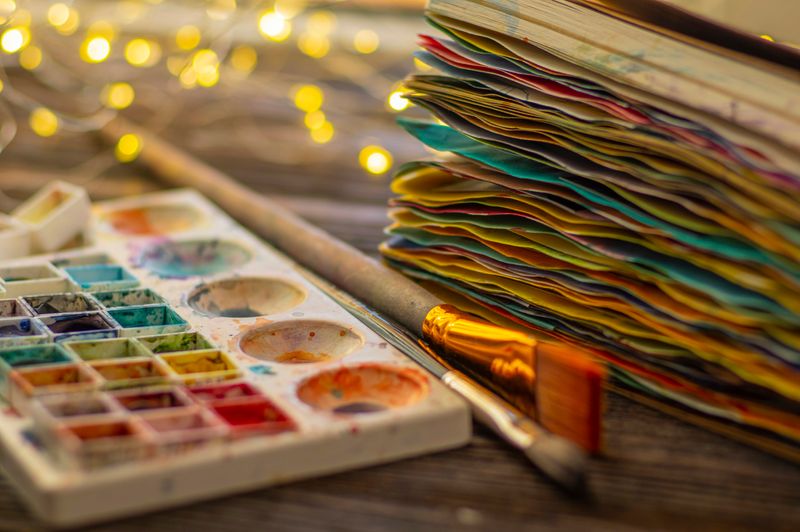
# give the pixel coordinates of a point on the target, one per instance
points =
(181, 358)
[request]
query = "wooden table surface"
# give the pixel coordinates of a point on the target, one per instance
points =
(657, 473)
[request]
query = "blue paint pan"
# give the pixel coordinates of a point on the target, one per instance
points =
(97, 277)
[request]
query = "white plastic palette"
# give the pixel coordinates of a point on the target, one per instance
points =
(180, 359)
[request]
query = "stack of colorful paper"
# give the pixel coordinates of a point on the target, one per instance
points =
(638, 197)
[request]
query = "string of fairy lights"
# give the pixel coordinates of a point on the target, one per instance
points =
(199, 54)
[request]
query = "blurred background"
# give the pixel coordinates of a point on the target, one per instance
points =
(296, 98)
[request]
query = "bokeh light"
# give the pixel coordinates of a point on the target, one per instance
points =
(43, 122)
(188, 37)
(308, 98)
(30, 58)
(128, 147)
(375, 159)
(366, 41)
(142, 52)
(274, 26)
(15, 39)
(118, 95)
(95, 49)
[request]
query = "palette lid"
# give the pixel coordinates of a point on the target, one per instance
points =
(55, 215)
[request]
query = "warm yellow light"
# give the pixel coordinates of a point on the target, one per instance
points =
(308, 98)
(322, 134)
(203, 58)
(208, 76)
(102, 28)
(175, 65)
(205, 65)
(58, 14)
(314, 45)
(118, 95)
(315, 120)
(15, 39)
(7, 8)
(289, 8)
(188, 78)
(244, 58)
(43, 122)
(142, 52)
(187, 38)
(30, 58)
(1, 86)
(768, 37)
(22, 17)
(375, 159)
(274, 26)
(70, 25)
(220, 9)
(128, 148)
(398, 102)
(95, 50)
(321, 22)
(366, 41)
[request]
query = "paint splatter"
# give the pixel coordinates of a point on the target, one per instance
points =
(261, 370)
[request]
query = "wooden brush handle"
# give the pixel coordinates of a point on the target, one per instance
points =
(367, 279)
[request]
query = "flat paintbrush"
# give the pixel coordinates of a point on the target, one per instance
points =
(566, 384)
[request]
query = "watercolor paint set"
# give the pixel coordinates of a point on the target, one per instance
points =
(179, 358)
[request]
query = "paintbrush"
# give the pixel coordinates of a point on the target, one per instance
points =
(566, 384)
(559, 458)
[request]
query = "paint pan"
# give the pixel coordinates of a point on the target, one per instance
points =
(223, 391)
(131, 373)
(35, 381)
(91, 445)
(35, 355)
(91, 259)
(33, 280)
(176, 343)
(29, 356)
(253, 416)
(56, 215)
(152, 220)
(81, 326)
(117, 348)
(245, 297)
(75, 405)
(60, 304)
(192, 258)
(202, 366)
(184, 431)
(363, 389)
(15, 238)
(159, 398)
(22, 331)
(300, 341)
(101, 277)
(129, 298)
(150, 320)
(12, 308)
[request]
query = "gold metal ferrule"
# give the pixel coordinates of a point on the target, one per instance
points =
(500, 357)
